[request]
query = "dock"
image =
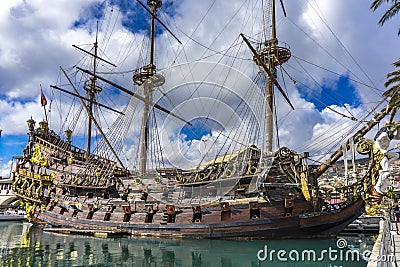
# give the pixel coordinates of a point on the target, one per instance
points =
(386, 251)
(364, 224)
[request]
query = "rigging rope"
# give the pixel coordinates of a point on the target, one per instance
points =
(341, 44)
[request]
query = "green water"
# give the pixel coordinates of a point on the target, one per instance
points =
(24, 245)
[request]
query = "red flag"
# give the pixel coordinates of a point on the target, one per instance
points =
(43, 99)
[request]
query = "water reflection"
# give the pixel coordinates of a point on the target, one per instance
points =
(23, 245)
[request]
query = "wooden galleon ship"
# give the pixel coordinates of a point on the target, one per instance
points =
(130, 178)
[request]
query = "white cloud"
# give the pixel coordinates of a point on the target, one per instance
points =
(5, 169)
(37, 38)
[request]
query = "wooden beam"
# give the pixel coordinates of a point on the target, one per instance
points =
(162, 23)
(129, 92)
(84, 98)
(272, 77)
(94, 120)
(93, 55)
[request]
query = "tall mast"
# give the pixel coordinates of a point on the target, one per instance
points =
(91, 91)
(270, 55)
(269, 89)
(139, 77)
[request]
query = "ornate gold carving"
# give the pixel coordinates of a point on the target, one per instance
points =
(37, 157)
(390, 193)
(364, 146)
(372, 208)
(378, 156)
(371, 197)
(373, 201)
(70, 159)
(30, 210)
(304, 187)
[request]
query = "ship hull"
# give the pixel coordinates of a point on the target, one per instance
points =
(322, 225)
(53, 185)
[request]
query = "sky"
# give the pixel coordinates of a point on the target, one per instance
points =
(342, 36)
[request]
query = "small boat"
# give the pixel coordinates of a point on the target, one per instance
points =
(12, 215)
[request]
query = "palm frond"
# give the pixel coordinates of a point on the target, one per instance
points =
(391, 92)
(393, 73)
(377, 4)
(392, 81)
(393, 95)
(393, 10)
(397, 63)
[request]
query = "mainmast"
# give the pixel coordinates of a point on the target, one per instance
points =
(139, 78)
(272, 56)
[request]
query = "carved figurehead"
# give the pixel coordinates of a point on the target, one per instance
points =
(380, 171)
(381, 145)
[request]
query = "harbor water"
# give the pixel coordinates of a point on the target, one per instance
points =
(25, 245)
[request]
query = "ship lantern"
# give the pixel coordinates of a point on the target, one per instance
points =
(68, 134)
(31, 124)
(155, 3)
(44, 126)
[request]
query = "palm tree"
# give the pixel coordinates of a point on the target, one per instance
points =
(393, 10)
(393, 93)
